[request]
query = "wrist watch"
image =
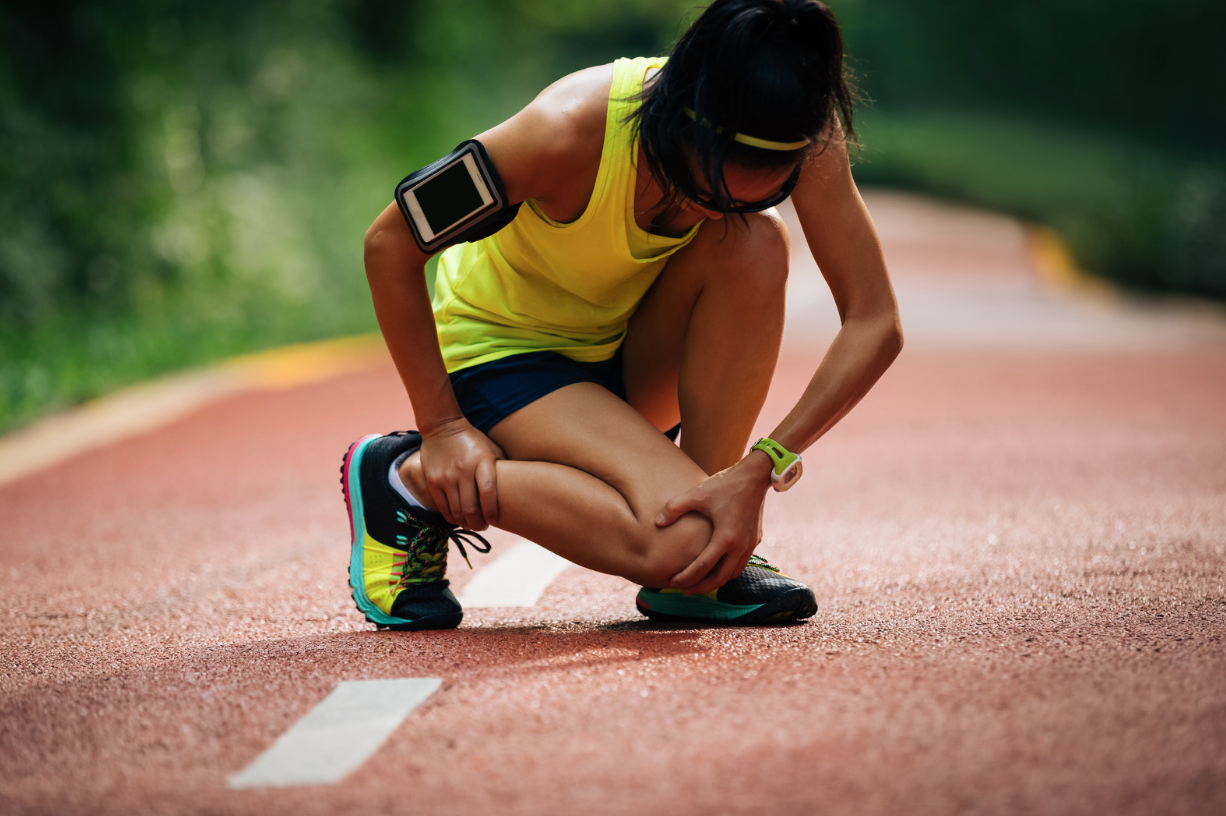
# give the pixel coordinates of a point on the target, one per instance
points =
(788, 466)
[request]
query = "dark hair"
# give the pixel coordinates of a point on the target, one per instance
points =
(771, 69)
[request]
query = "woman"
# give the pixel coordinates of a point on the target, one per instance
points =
(641, 286)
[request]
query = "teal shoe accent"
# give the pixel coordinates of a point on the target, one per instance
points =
(658, 603)
(398, 554)
(761, 594)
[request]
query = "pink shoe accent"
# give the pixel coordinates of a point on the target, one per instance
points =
(345, 481)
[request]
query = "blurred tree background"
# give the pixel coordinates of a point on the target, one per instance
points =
(184, 181)
(1103, 120)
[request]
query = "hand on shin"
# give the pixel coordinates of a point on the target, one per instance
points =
(457, 468)
(732, 500)
(414, 481)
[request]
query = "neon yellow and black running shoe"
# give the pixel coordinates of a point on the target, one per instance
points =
(761, 594)
(398, 559)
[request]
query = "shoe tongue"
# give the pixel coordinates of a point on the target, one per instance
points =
(756, 560)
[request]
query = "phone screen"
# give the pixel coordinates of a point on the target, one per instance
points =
(449, 197)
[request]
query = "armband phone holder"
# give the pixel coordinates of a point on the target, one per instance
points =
(458, 198)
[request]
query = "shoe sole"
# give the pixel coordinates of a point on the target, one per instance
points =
(794, 605)
(351, 485)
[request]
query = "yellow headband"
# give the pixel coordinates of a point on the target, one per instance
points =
(752, 141)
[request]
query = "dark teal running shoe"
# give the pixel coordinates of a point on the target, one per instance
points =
(398, 557)
(761, 594)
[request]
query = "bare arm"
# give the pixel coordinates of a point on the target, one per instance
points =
(457, 460)
(841, 236)
(464, 486)
(844, 243)
(396, 272)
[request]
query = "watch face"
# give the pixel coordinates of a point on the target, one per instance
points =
(789, 477)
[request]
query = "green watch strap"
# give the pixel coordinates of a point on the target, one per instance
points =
(781, 456)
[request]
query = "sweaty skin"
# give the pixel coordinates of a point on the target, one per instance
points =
(582, 472)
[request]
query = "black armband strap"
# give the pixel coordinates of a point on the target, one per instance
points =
(458, 198)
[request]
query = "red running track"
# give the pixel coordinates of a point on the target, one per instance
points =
(1019, 555)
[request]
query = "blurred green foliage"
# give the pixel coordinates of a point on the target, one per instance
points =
(181, 181)
(1151, 219)
(1149, 68)
(1100, 119)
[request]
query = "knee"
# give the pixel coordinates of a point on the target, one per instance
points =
(657, 554)
(767, 249)
(768, 236)
(754, 254)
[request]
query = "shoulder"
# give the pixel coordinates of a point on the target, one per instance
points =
(556, 136)
(576, 102)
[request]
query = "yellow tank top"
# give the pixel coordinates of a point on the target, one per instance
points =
(540, 285)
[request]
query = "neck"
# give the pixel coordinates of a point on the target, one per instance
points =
(649, 211)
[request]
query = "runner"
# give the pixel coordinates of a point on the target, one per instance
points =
(615, 271)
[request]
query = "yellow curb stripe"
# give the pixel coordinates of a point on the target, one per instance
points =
(304, 363)
(1056, 268)
(148, 406)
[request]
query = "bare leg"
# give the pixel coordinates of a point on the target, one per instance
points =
(586, 477)
(588, 473)
(703, 344)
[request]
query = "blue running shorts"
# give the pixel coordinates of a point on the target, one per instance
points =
(490, 392)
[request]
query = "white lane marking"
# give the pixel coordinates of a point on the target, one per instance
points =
(338, 735)
(515, 578)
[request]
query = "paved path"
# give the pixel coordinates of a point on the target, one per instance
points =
(1018, 542)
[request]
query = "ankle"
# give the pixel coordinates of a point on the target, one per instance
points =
(414, 480)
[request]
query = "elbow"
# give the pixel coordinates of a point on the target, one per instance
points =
(891, 327)
(883, 328)
(375, 245)
(389, 248)
(892, 340)
(386, 251)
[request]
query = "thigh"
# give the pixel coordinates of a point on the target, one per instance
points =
(586, 427)
(701, 347)
(655, 339)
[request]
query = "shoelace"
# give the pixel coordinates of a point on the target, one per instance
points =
(435, 539)
(460, 536)
(756, 560)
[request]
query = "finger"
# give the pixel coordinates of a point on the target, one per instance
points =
(726, 570)
(487, 485)
(470, 507)
(437, 496)
(442, 500)
(701, 566)
(677, 507)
